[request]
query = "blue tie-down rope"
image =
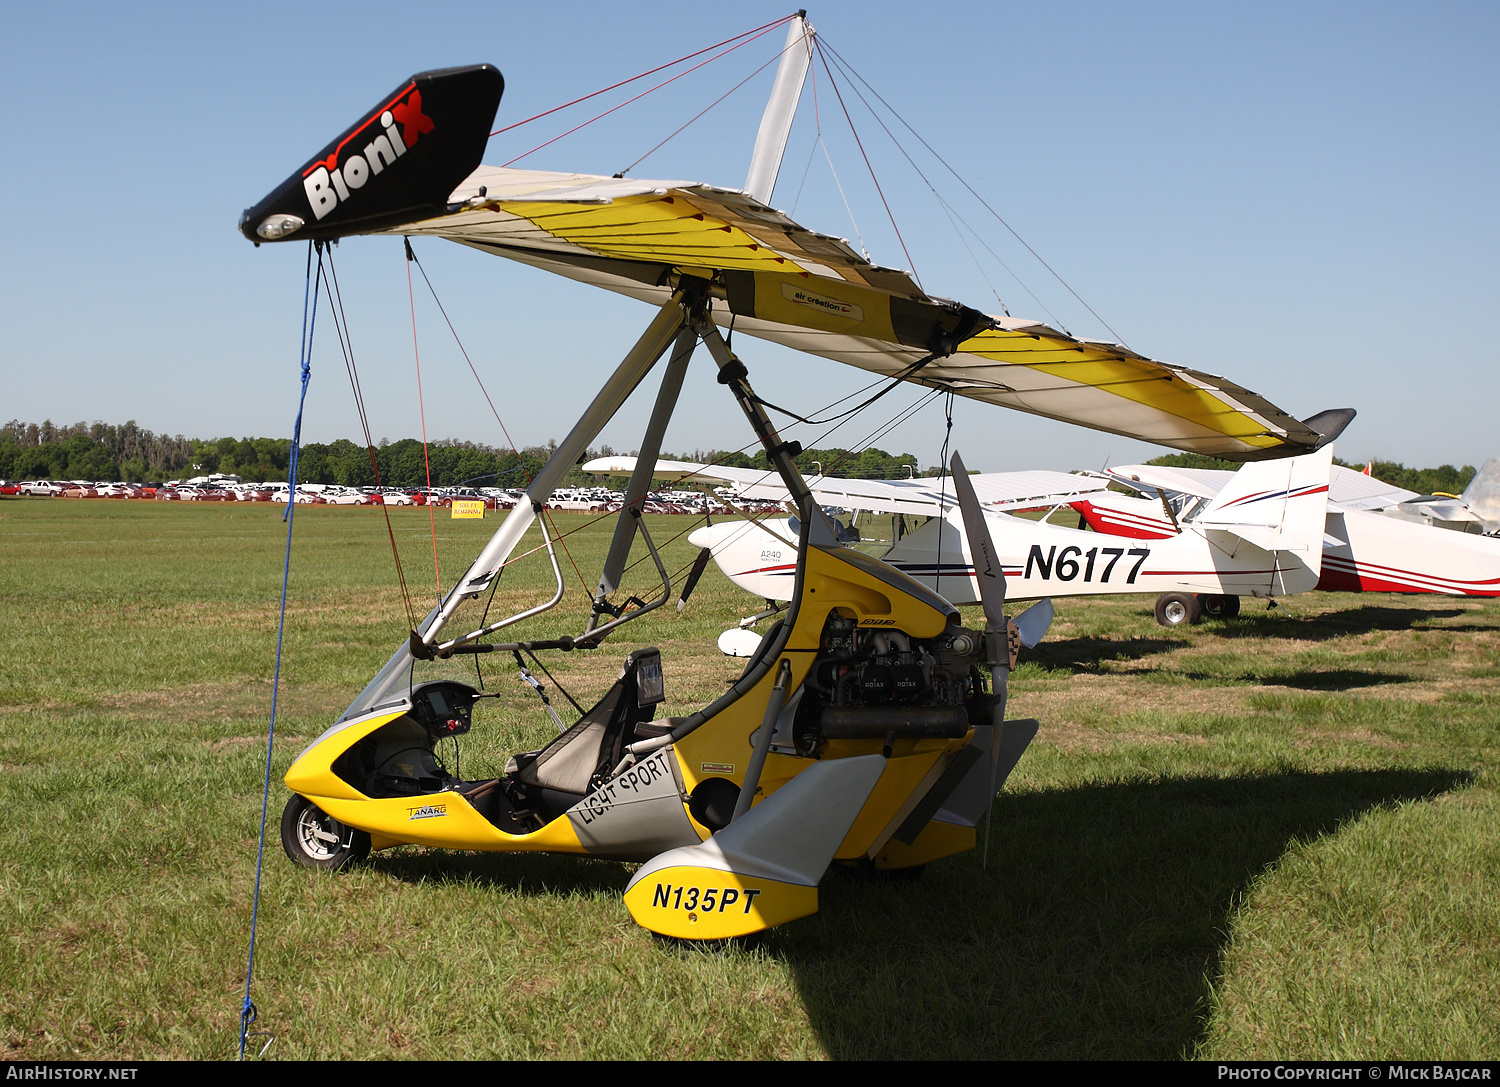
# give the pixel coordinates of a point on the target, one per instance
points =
(248, 1012)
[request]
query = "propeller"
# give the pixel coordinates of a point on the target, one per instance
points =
(1033, 623)
(991, 577)
(699, 565)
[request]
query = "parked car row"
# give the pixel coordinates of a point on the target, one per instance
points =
(229, 489)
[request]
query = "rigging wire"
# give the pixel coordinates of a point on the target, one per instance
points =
(643, 94)
(812, 71)
(248, 1011)
(947, 208)
(538, 662)
(894, 380)
(708, 107)
(959, 178)
(659, 68)
(811, 154)
(953, 222)
(937, 574)
(422, 412)
(884, 428)
(759, 521)
(560, 536)
(863, 248)
(818, 43)
(922, 401)
(346, 346)
(411, 257)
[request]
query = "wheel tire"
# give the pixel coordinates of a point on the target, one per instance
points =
(1218, 607)
(1177, 609)
(315, 839)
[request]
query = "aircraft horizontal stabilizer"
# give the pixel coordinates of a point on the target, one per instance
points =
(398, 164)
(764, 868)
(1261, 536)
(1280, 507)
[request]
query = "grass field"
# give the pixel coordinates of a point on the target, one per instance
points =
(1273, 837)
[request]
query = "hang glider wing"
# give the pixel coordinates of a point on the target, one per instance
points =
(998, 491)
(772, 277)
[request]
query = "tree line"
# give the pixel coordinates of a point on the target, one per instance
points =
(107, 452)
(1445, 479)
(104, 451)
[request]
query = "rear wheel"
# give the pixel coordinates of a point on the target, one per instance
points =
(315, 839)
(1218, 607)
(1177, 609)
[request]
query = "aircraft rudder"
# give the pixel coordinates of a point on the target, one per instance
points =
(1482, 495)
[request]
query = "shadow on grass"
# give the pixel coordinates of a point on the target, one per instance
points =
(520, 873)
(1337, 679)
(1084, 654)
(1366, 619)
(1094, 933)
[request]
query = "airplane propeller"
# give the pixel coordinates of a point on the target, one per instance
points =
(991, 577)
(699, 565)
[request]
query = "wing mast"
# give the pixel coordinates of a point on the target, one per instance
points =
(776, 123)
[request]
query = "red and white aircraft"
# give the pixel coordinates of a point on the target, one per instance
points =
(1261, 536)
(1377, 538)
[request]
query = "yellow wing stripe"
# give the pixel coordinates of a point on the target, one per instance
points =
(671, 229)
(660, 229)
(1138, 380)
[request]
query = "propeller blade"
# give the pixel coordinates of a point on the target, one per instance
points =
(699, 565)
(991, 576)
(1034, 622)
(987, 568)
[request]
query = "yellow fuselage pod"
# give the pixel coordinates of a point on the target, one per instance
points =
(877, 598)
(445, 820)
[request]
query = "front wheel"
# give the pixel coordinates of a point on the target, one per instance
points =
(315, 839)
(1177, 609)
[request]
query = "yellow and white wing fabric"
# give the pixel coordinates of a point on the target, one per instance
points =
(812, 292)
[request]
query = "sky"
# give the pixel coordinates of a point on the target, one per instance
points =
(1299, 197)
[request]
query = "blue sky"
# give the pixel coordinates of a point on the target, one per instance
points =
(1301, 197)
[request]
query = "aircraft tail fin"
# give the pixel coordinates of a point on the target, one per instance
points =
(398, 164)
(1279, 506)
(1482, 495)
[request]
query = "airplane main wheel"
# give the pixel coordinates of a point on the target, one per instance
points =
(1177, 609)
(1218, 607)
(315, 839)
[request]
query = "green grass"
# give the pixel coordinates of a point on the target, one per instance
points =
(1271, 837)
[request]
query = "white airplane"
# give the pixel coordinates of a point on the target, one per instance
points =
(1261, 536)
(1377, 538)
